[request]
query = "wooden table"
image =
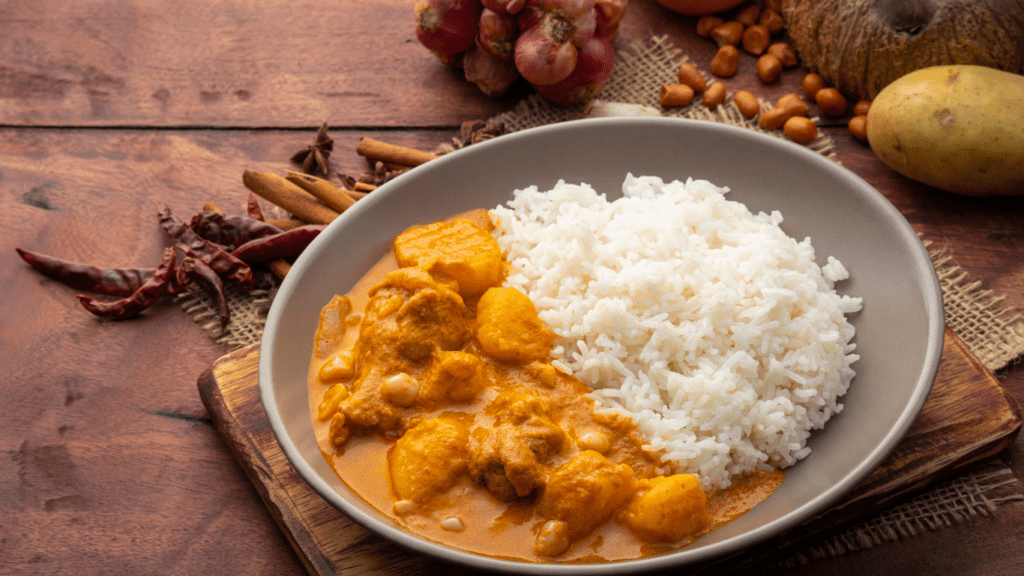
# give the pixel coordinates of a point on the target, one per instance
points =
(110, 106)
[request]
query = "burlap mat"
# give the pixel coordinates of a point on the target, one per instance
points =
(993, 331)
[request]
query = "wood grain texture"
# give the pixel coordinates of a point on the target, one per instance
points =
(967, 417)
(135, 62)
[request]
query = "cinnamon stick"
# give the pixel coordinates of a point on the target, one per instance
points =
(363, 188)
(324, 190)
(288, 196)
(280, 268)
(285, 224)
(377, 151)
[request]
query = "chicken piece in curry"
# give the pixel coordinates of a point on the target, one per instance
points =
(440, 406)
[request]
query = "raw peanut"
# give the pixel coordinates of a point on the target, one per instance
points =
(831, 102)
(706, 24)
(756, 39)
(793, 102)
(774, 5)
(728, 34)
(861, 108)
(785, 53)
(725, 62)
(749, 15)
(689, 75)
(676, 95)
(812, 83)
(774, 118)
(800, 129)
(768, 68)
(858, 126)
(771, 20)
(785, 108)
(746, 103)
(714, 95)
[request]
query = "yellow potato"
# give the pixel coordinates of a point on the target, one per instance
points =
(458, 249)
(670, 509)
(957, 128)
(428, 459)
(509, 329)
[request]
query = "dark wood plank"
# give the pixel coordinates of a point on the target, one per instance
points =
(111, 464)
(967, 417)
(132, 62)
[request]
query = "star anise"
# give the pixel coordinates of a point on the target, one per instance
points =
(472, 132)
(314, 158)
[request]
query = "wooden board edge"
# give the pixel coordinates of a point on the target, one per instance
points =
(293, 529)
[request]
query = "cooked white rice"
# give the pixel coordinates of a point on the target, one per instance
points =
(713, 329)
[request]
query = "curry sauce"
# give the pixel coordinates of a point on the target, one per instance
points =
(433, 397)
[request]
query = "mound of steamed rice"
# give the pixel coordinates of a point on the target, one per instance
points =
(714, 330)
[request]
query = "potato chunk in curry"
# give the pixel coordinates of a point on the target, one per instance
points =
(457, 249)
(428, 459)
(669, 509)
(509, 329)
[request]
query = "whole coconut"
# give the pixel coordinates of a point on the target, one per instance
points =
(860, 46)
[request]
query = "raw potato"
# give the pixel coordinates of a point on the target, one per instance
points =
(957, 128)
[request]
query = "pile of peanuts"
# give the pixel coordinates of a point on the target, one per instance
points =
(832, 103)
(752, 28)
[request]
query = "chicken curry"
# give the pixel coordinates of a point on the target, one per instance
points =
(434, 398)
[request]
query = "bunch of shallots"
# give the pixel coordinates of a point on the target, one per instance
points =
(562, 47)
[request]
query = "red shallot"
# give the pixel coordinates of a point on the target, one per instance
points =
(544, 54)
(494, 76)
(597, 57)
(498, 33)
(447, 27)
(609, 14)
(561, 47)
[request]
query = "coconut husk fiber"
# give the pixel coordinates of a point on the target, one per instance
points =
(861, 46)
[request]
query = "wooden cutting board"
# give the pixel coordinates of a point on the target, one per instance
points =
(966, 418)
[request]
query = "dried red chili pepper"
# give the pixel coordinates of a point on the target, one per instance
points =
(144, 297)
(253, 209)
(198, 271)
(88, 278)
(284, 245)
(199, 248)
(230, 230)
